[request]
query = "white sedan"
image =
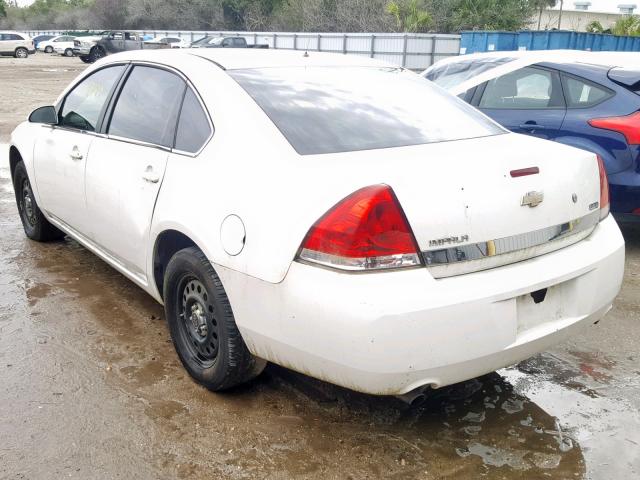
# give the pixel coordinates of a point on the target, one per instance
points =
(62, 44)
(332, 214)
(172, 42)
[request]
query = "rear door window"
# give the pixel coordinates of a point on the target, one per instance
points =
(524, 89)
(147, 107)
(581, 93)
(194, 129)
(84, 105)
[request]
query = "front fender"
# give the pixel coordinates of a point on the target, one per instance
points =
(22, 141)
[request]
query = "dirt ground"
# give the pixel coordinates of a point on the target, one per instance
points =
(90, 386)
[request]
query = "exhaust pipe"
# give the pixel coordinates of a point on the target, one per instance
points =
(415, 397)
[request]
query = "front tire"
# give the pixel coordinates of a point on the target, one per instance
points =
(85, 59)
(36, 227)
(96, 54)
(202, 326)
(68, 52)
(21, 52)
(48, 49)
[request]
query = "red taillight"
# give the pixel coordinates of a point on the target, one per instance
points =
(628, 125)
(365, 231)
(604, 189)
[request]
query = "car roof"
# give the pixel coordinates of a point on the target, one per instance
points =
(521, 59)
(238, 58)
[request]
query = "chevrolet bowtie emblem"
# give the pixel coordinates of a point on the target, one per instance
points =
(532, 199)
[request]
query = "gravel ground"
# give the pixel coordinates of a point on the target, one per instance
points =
(91, 387)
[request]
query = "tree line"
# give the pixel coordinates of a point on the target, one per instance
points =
(442, 16)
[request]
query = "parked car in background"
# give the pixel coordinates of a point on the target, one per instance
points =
(345, 218)
(225, 42)
(590, 100)
(61, 41)
(41, 38)
(173, 42)
(17, 44)
(91, 49)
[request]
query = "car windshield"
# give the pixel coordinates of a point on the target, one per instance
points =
(451, 74)
(337, 109)
(216, 41)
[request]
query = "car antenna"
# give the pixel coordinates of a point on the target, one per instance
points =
(306, 48)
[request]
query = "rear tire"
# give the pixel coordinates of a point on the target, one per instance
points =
(48, 49)
(202, 326)
(36, 227)
(21, 52)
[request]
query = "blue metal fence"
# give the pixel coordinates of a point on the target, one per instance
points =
(487, 41)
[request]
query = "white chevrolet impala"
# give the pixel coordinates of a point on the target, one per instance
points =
(332, 214)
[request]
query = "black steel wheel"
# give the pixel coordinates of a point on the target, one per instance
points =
(198, 323)
(202, 325)
(35, 225)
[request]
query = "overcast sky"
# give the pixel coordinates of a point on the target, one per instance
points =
(596, 5)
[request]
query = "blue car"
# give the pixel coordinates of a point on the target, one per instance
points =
(590, 100)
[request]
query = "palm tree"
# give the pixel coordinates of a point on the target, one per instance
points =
(541, 5)
(410, 15)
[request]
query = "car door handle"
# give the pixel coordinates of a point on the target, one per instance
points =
(75, 154)
(150, 176)
(531, 126)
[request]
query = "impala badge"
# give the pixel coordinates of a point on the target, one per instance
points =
(532, 199)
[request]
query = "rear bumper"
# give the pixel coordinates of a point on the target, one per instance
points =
(388, 333)
(624, 200)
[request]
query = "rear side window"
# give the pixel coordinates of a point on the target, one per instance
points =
(147, 107)
(193, 127)
(582, 93)
(526, 89)
(11, 36)
(343, 109)
(84, 104)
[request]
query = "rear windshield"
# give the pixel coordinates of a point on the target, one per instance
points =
(342, 109)
(451, 74)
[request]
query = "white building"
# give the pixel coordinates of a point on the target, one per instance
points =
(578, 16)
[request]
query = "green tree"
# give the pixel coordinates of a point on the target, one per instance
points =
(3, 9)
(627, 25)
(410, 15)
(541, 5)
(490, 14)
(594, 27)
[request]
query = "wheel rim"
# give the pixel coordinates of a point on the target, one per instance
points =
(48, 49)
(197, 322)
(28, 203)
(98, 54)
(21, 53)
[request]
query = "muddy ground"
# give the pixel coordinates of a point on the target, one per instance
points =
(90, 386)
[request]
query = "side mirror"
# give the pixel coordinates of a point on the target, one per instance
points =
(46, 115)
